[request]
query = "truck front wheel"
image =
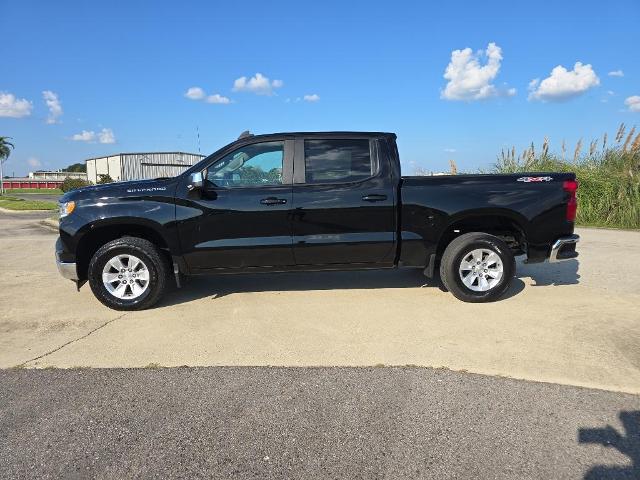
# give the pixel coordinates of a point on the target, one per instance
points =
(477, 267)
(128, 273)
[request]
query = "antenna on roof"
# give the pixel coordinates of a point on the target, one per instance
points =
(198, 132)
(245, 134)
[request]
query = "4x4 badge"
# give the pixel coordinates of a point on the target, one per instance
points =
(534, 179)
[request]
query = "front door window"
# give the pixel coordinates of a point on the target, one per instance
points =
(255, 165)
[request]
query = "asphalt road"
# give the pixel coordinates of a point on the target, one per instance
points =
(45, 197)
(16, 226)
(310, 423)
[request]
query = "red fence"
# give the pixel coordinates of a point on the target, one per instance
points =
(28, 183)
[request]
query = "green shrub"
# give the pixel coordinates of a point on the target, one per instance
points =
(609, 176)
(104, 178)
(73, 183)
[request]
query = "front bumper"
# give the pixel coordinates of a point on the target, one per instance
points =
(67, 269)
(564, 248)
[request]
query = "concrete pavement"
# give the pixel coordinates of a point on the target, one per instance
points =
(575, 323)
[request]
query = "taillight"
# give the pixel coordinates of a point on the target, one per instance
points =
(571, 186)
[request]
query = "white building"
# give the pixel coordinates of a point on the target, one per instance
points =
(138, 166)
(56, 175)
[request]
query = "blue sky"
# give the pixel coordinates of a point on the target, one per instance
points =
(117, 74)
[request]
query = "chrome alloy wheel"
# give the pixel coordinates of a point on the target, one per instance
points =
(125, 276)
(481, 270)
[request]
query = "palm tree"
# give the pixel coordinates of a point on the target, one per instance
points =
(5, 150)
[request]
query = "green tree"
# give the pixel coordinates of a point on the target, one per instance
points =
(76, 167)
(5, 150)
(274, 176)
(250, 175)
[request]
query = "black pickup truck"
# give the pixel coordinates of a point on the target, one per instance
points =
(312, 201)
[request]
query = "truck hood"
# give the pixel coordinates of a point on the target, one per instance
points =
(121, 189)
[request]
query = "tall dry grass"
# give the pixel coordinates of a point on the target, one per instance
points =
(609, 176)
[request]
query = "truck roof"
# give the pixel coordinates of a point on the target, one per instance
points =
(246, 137)
(319, 134)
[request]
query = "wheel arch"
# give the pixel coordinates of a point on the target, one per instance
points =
(101, 232)
(505, 224)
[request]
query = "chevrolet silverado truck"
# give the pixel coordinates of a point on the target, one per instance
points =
(311, 201)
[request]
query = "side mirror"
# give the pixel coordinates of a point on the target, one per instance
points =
(196, 181)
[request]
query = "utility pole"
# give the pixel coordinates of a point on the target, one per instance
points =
(198, 132)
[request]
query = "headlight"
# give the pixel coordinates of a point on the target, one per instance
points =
(66, 208)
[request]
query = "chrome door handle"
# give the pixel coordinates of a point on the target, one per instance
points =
(273, 201)
(374, 198)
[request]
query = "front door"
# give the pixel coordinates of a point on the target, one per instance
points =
(343, 203)
(240, 219)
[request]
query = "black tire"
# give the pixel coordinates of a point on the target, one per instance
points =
(144, 250)
(460, 248)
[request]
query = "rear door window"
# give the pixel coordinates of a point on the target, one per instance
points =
(337, 160)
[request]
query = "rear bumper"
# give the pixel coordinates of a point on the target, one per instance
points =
(564, 248)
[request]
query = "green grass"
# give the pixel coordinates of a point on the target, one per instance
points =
(13, 203)
(609, 177)
(49, 191)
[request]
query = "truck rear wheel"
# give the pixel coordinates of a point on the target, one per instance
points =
(477, 267)
(128, 273)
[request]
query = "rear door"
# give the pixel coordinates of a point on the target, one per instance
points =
(343, 202)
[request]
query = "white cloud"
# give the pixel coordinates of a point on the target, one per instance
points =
(194, 93)
(633, 103)
(197, 93)
(469, 79)
(217, 98)
(258, 84)
(106, 136)
(103, 136)
(314, 97)
(450, 150)
(84, 136)
(33, 162)
(564, 84)
(616, 73)
(10, 106)
(54, 105)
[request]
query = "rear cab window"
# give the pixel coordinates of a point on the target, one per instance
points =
(337, 160)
